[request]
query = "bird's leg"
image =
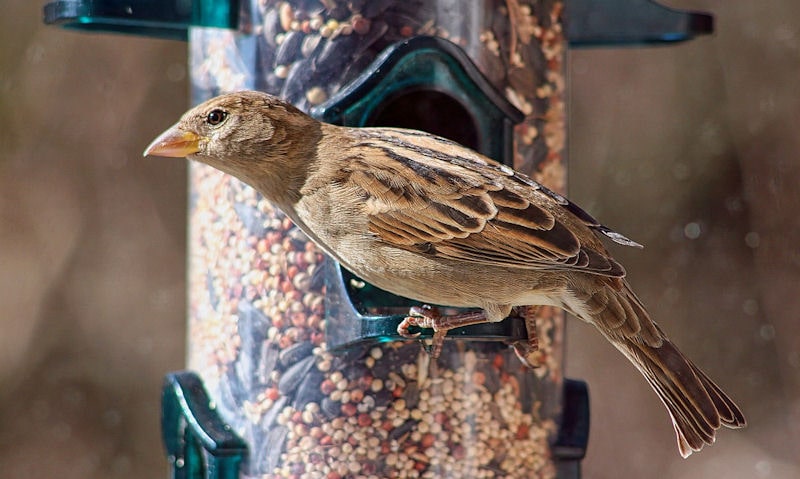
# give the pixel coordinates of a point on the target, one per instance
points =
(429, 317)
(528, 350)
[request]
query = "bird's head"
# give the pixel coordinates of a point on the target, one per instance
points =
(251, 135)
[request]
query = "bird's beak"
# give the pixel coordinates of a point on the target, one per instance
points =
(174, 143)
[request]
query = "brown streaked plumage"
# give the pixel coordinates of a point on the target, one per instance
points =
(428, 219)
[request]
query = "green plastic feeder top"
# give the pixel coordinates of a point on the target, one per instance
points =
(168, 19)
(589, 22)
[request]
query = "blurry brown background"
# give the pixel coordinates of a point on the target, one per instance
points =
(691, 149)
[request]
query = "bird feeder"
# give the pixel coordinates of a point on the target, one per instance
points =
(297, 369)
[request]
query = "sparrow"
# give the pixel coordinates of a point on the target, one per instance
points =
(426, 218)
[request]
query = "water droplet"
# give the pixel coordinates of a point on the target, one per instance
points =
(767, 332)
(692, 230)
(176, 72)
(752, 239)
(750, 307)
(763, 468)
(35, 53)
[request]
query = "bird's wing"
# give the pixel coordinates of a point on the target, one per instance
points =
(429, 195)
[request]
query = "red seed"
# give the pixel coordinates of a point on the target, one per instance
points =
(364, 420)
(356, 395)
(349, 409)
(498, 361)
(369, 468)
(365, 381)
(272, 393)
(291, 271)
(360, 24)
(327, 387)
(458, 452)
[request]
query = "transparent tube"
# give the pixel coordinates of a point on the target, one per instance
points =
(257, 285)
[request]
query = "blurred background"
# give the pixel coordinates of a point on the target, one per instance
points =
(691, 149)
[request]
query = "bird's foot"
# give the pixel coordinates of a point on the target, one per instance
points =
(429, 317)
(528, 350)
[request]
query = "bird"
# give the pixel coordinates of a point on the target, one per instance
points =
(428, 219)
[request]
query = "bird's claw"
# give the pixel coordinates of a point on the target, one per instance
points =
(402, 328)
(528, 353)
(528, 350)
(416, 317)
(424, 317)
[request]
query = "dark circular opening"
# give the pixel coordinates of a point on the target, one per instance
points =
(431, 111)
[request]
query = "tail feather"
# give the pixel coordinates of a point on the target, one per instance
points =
(730, 414)
(696, 405)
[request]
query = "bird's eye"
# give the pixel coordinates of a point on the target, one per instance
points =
(215, 117)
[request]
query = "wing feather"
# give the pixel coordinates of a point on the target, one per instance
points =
(434, 197)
